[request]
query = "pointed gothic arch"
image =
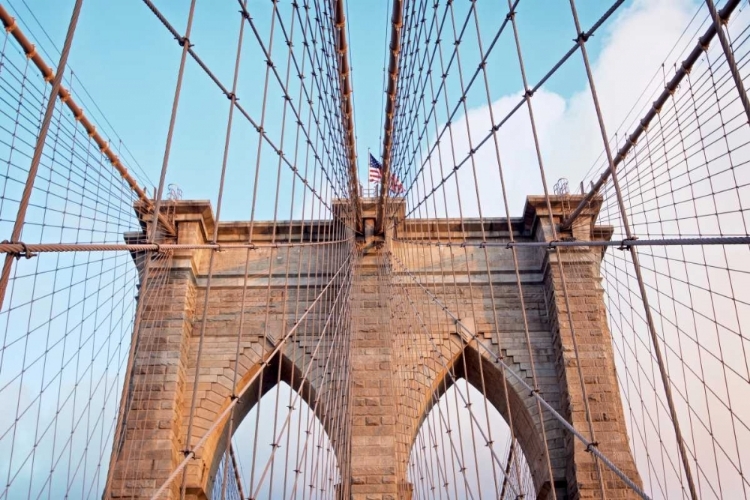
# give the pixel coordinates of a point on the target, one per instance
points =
(280, 369)
(465, 364)
(450, 453)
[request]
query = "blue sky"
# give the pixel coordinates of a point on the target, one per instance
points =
(128, 63)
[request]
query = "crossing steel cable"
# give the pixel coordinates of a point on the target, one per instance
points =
(500, 123)
(235, 398)
(263, 134)
(67, 98)
(688, 169)
(465, 399)
(643, 124)
(547, 406)
(40, 141)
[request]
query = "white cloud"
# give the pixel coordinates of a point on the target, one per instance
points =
(634, 46)
(702, 328)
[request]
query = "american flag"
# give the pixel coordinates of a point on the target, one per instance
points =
(376, 175)
(375, 167)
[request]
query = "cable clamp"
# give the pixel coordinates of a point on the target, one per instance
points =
(184, 40)
(12, 26)
(626, 246)
(24, 251)
(583, 37)
(656, 106)
(510, 15)
(686, 67)
(591, 446)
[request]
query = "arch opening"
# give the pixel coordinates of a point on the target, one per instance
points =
(451, 452)
(281, 443)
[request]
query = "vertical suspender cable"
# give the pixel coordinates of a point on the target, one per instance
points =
(718, 23)
(636, 263)
(644, 123)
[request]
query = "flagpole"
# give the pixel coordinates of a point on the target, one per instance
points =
(368, 171)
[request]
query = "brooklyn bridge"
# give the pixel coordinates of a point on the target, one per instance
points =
(530, 286)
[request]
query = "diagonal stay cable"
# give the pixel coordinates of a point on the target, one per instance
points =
(234, 399)
(528, 93)
(590, 447)
(263, 133)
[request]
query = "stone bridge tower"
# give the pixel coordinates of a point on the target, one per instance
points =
(163, 368)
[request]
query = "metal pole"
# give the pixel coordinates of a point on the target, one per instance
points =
(623, 244)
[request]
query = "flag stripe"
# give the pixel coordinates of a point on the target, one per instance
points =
(376, 175)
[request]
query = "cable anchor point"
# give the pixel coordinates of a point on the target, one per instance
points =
(25, 252)
(582, 38)
(625, 244)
